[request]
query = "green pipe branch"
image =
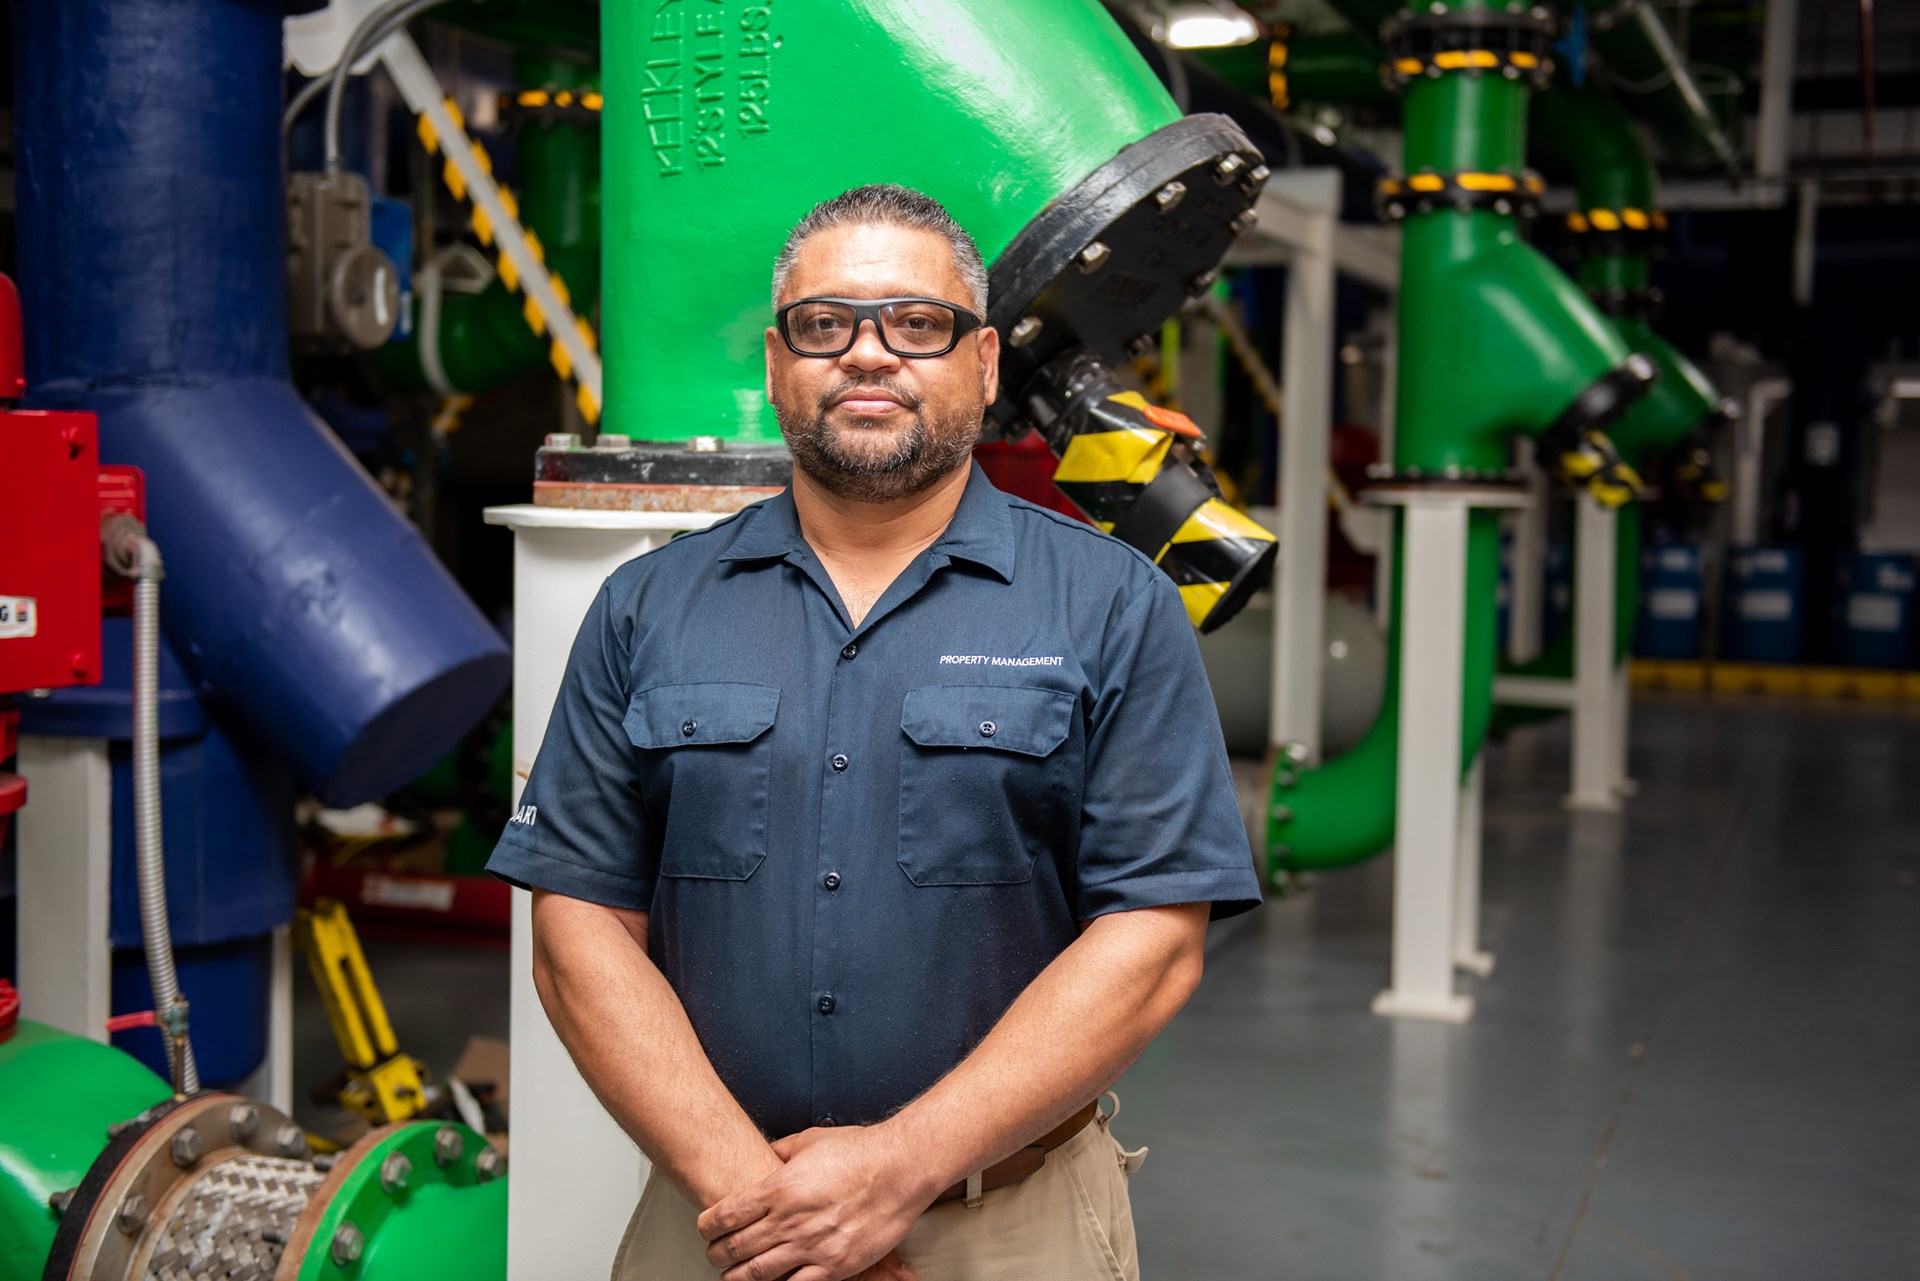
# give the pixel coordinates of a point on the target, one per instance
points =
(484, 339)
(720, 137)
(1293, 67)
(1494, 341)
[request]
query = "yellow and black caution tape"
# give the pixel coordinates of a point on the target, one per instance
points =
(520, 259)
(1502, 191)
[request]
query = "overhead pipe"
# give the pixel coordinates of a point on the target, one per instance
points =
(1494, 341)
(1646, 69)
(151, 232)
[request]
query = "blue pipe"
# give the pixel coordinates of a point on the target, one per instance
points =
(152, 272)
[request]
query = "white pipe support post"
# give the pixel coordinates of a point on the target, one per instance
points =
(65, 970)
(1750, 455)
(1306, 372)
(1596, 757)
(1773, 133)
(272, 1081)
(1526, 566)
(1467, 953)
(576, 1174)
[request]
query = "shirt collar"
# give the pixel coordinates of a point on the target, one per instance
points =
(981, 530)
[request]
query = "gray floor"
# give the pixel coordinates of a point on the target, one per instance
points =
(1696, 1058)
(1699, 1056)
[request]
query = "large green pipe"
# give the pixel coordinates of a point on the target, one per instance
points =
(720, 139)
(484, 339)
(1494, 340)
(58, 1095)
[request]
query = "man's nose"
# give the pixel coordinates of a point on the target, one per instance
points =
(868, 352)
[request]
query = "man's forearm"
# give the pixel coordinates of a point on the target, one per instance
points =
(1075, 1029)
(631, 1039)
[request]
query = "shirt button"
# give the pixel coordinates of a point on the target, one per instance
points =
(986, 728)
(831, 880)
(691, 726)
(839, 763)
(826, 1004)
(828, 1121)
(849, 652)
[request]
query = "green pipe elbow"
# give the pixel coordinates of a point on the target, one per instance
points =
(1343, 811)
(1592, 133)
(721, 136)
(1494, 340)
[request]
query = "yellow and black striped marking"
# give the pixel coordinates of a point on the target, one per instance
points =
(1126, 476)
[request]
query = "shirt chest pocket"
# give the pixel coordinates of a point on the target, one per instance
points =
(985, 782)
(707, 760)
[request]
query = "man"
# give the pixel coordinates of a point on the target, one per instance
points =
(882, 820)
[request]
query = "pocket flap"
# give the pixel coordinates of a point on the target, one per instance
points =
(702, 714)
(1010, 718)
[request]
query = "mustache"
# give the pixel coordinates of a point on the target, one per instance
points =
(875, 382)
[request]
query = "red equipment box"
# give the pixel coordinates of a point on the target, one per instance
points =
(49, 550)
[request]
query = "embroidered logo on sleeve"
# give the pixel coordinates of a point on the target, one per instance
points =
(999, 660)
(526, 815)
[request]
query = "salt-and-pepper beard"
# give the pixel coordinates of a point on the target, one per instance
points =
(917, 458)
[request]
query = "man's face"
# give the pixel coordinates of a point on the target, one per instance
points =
(869, 425)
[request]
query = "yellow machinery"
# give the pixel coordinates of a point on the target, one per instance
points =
(383, 1084)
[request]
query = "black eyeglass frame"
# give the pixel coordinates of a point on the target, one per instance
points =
(865, 309)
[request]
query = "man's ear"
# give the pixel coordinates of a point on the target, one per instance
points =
(990, 362)
(773, 337)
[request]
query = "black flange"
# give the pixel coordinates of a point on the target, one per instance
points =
(1515, 44)
(1503, 192)
(1621, 303)
(1111, 258)
(550, 107)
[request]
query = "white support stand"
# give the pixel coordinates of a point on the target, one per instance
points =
(1466, 894)
(1429, 880)
(1526, 576)
(1598, 706)
(1306, 365)
(272, 1081)
(66, 854)
(576, 1175)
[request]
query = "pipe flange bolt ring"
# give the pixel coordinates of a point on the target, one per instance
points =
(1515, 45)
(1604, 233)
(1506, 193)
(1629, 304)
(550, 106)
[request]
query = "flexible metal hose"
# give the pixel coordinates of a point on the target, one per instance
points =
(156, 935)
(375, 27)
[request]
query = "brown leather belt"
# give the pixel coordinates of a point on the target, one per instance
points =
(1028, 1159)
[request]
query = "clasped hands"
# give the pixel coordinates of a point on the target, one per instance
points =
(835, 1210)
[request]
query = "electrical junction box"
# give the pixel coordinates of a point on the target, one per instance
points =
(343, 293)
(49, 550)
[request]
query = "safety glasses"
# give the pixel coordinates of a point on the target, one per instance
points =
(913, 328)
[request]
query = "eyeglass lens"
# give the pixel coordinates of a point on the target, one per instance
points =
(907, 328)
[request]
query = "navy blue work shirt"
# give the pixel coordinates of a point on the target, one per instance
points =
(859, 844)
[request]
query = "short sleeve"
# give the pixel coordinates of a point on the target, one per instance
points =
(1160, 823)
(582, 828)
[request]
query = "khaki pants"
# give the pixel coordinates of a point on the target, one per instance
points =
(1068, 1221)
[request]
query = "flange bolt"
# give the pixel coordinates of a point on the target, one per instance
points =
(394, 1172)
(1026, 331)
(1169, 196)
(1228, 169)
(290, 1141)
(491, 1165)
(448, 1145)
(1092, 258)
(348, 1245)
(133, 1215)
(187, 1148)
(243, 1121)
(59, 1201)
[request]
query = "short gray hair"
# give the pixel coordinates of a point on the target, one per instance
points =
(887, 204)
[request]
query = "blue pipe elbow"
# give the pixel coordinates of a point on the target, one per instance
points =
(152, 273)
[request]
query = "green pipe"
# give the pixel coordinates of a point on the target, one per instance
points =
(449, 1233)
(1336, 66)
(58, 1095)
(1494, 340)
(719, 141)
(1592, 132)
(485, 341)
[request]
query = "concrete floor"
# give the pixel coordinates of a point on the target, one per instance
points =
(1697, 1057)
